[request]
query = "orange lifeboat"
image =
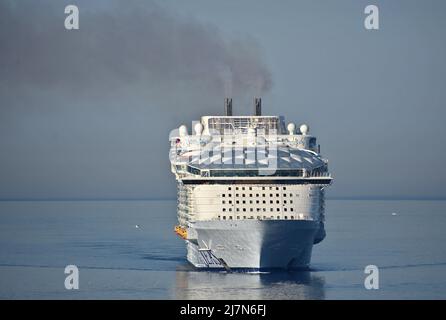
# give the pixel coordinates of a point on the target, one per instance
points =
(181, 232)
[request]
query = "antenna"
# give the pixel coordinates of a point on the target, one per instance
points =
(228, 107)
(258, 106)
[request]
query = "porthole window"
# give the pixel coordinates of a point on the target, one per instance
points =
(244, 201)
(230, 217)
(229, 188)
(223, 202)
(278, 209)
(224, 209)
(223, 195)
(284, 188)
(264, 202)
(251, 209)
(285, 209)
(270, 201)
(230, 209)
(286, 217)
(278, 217)
(236, 188)
(237, 209)
(271, 209)
(291, 209)
(244, 209)
(277, 194)
(284, 201)
(277, 188)
(277, 201)
(224, 217)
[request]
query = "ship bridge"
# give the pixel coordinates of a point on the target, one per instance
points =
(246, 146)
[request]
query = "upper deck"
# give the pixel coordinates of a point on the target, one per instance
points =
(239, 147)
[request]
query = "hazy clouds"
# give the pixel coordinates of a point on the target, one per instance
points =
(80, 108)
(87, 113)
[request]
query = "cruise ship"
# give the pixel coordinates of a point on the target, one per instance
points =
(250, 191)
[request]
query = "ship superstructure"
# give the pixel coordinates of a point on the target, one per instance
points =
(250, 191)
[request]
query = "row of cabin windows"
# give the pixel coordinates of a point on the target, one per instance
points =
(257, 201)
(243, 195)
(252, 217)
(257, 209)
(250, 188)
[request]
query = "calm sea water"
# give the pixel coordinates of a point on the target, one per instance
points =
(116, 260)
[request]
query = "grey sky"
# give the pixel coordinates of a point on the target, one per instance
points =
(87, 113)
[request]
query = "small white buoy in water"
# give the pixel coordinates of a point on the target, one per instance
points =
(393, 213)
(137, 226)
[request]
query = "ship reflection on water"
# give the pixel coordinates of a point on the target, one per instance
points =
(191, 284)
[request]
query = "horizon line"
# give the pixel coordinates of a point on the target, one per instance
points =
(353, 198)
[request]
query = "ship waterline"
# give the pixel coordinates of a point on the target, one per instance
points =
(253, 244)
(250, 192)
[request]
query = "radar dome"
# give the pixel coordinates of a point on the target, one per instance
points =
(182, 130)
(198, 129)
(304, 129)
(291, 127)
